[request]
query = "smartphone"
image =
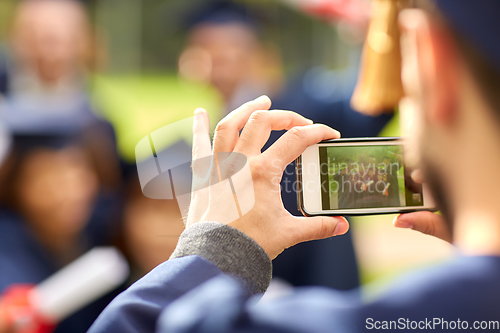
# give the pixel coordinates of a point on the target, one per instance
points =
(362, 176)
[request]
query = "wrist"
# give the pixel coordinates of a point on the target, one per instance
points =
(231, 250)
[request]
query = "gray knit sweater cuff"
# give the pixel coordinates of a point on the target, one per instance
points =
(232, 251)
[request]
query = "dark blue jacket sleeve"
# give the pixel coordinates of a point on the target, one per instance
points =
(222, 305)
(137, 309)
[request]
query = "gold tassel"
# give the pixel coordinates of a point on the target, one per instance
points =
(379, 87)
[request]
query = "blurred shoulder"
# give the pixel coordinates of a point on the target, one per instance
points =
(466, 287)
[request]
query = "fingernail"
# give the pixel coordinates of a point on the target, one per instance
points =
(310, 121)
(198, 111)
(399, 223)
(341, 228)
(263, 98)
(404, 225)
(336, 135)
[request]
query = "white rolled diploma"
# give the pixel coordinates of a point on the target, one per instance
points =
(85, 280)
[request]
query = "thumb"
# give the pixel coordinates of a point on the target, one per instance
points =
(426, 222)
(319, 227)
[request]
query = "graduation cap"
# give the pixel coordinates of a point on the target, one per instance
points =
(21, 119)
(379, 86)
(31, 127)
(223, 12)
(24, 143)
(478, 22)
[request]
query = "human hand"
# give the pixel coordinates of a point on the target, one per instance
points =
(425, 222)
(267, 222)
(428, 223)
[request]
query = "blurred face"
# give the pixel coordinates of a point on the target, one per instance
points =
(429, 75)
(152, 228)
(411, 105)
(220, 54)
(50, 37)
(56, 191)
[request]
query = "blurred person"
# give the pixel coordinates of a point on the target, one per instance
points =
(50, 51)
(341, 179)
(224, 49)
(50, 215)
(451, 72)
(373, 190)
(54, 191)
(149, 229)
(391, 178)
(344, 187)
(382, 190)
(357, 192)
(369, 179)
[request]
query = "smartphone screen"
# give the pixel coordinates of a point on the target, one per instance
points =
(366, 177)
(349, 177)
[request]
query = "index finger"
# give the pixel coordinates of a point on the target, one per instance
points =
(293, 143)
(201, 137)
(418, 176)
(258, 128)
(227, 131)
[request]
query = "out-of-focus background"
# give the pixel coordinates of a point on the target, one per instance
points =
(81, 82)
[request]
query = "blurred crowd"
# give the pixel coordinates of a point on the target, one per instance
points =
(64, 187)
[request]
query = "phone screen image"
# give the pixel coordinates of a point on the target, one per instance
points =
(356, 177)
